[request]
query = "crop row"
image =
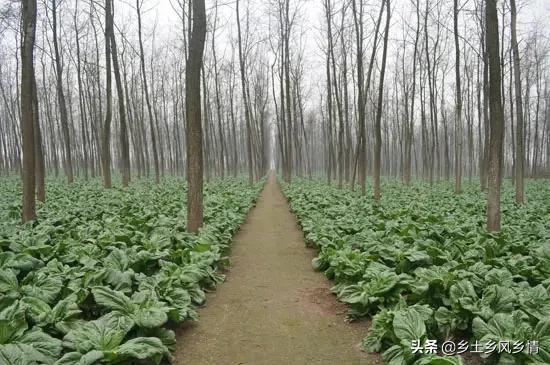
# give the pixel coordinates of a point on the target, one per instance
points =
(101, 274)
(421, 264)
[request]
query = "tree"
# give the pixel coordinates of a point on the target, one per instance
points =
(242, 66)
(363, 90)
(409, 128)
(377, 127)
(496, 120)
(146, 92)
(520, 149)
(106, 131)
(61, 98)
(40, 168)
(124, 143)
(193, 118)
(28, 115)
(458, 112)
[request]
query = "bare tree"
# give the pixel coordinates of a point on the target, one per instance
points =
(242, 66)
(28, 33)
(193, 118)
(124, 143)
(106, 131)
(458, 112)
(519, 147)
(496, 118)
(40, 168)
(146, 92)
(377, 127)
(61, 96)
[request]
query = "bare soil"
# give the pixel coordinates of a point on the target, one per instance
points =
(273, 308)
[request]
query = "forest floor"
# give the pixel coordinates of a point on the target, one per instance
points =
(273, 308)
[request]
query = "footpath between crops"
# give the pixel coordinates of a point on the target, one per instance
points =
(273, 308)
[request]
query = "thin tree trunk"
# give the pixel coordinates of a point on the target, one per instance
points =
(147, 99)
(377, 127)
(245, 100)
(28, 30)
(61, 98)
(519, 156)
(39, 153)
(124, 142)
(458, 112)
(496, 118)
(193, 118)
(106, 132)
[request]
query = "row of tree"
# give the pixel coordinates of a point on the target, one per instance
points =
(375, 95)
(406, 115)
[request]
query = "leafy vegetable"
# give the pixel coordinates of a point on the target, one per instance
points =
(422, 265)
(97, 277)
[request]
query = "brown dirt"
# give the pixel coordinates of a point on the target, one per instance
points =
(273, 308)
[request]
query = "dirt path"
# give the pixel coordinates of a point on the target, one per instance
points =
(273, 308)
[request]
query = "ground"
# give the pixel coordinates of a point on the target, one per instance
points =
(273, 308)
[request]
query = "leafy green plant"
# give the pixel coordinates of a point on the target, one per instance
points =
(422, 266)
(101, 273)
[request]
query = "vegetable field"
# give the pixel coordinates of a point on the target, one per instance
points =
(101, 274)
(378, 171)
(422, 265)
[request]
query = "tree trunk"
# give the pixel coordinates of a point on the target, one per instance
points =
(81, 103)
(38, 151)
(193, 118)
(377, 127)
(496, 118)
(147, 99)
(519, 156)
(106, 132)
(245, 101)
(61, 98)
(28, 29)
(124, 142)
(458, 113)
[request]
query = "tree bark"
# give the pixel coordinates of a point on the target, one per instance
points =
(193, 118)
(496, 118)
(28, 29)
(245, 100)
(124, 142)
(147, 99)
(40, 169)
(377, 125)
(519, 155)
(106, 132)
(61, 98)
(458, 112)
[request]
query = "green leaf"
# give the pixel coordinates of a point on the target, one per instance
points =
(8, 281)
(37, 309)
(43, 286)
(394, 355)
(103, 334)
(499, 298)
(380, 330)
(502, 327)
(12, 354)
(150, 317)
(12, 323)
(40, 342)
(113, 300)
(76, 358)
(408, 325)
(439, 360)
(464, 294)
(140, 348)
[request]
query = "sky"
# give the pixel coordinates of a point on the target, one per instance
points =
(160, 14)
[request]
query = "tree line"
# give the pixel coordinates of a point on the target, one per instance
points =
(424, 89)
